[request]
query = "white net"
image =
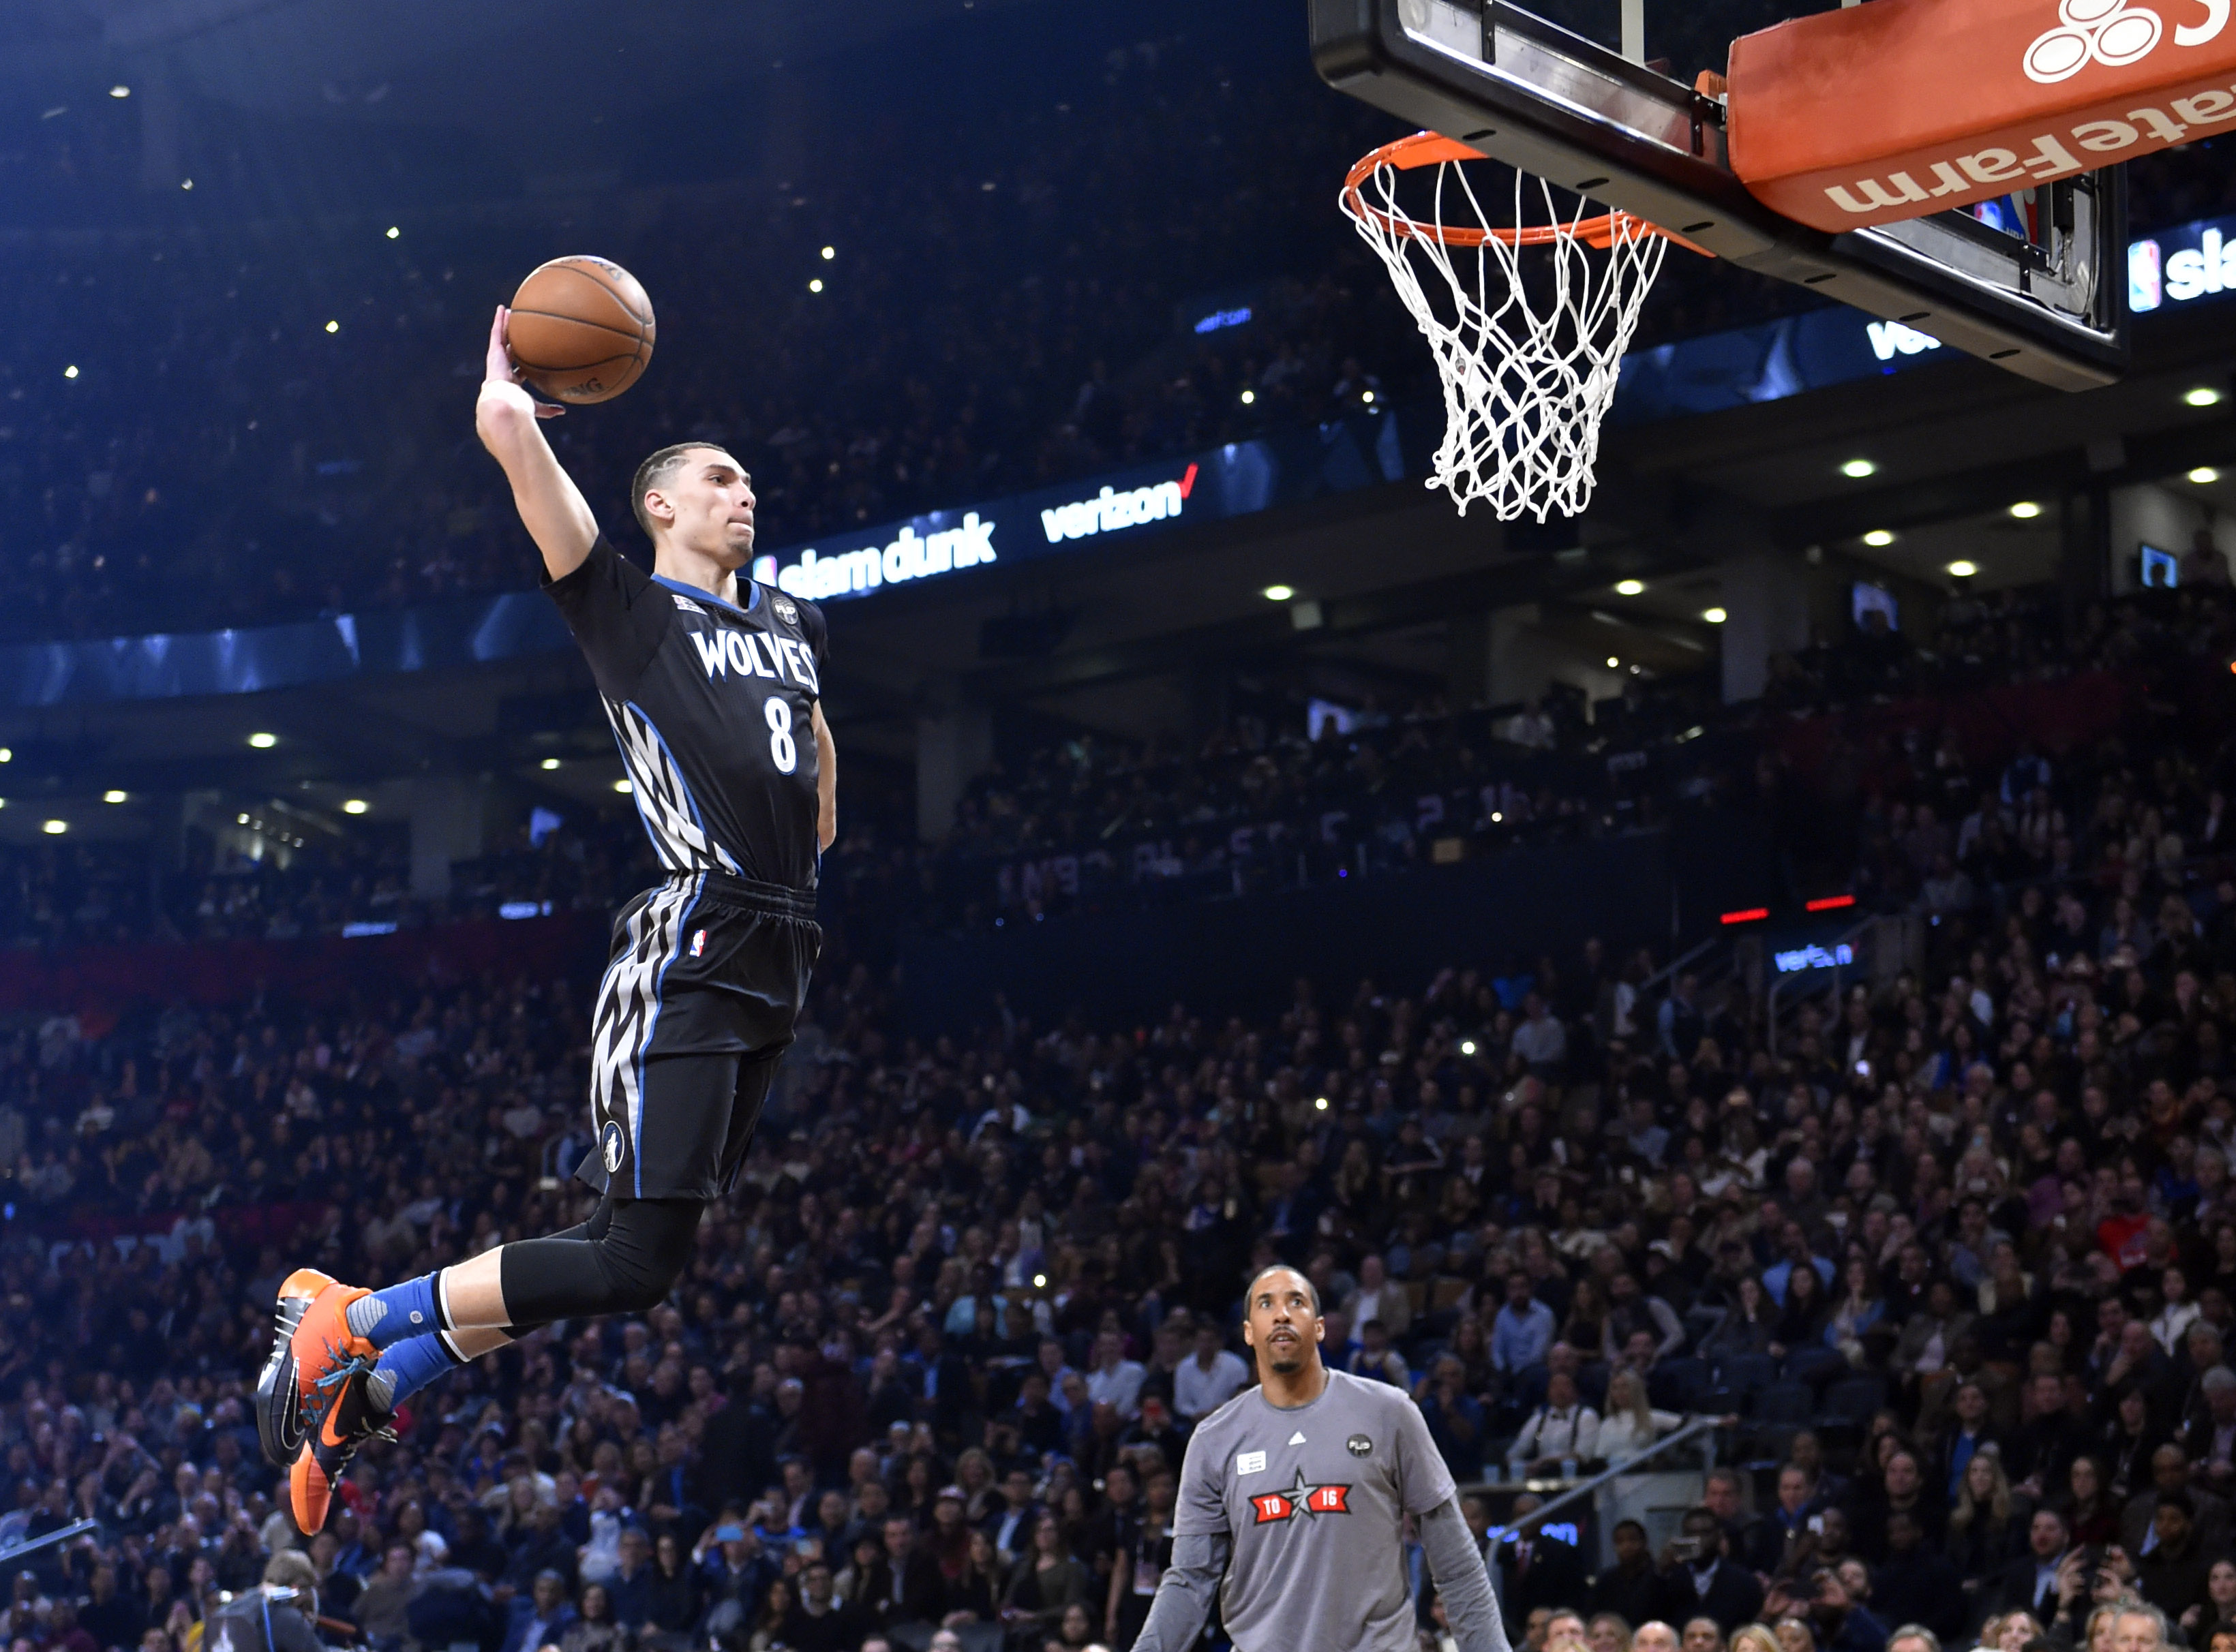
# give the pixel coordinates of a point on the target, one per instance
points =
(1529, 339)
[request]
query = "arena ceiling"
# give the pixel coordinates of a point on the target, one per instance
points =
(491, 64)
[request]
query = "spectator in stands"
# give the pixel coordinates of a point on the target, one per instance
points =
(1699, 1581)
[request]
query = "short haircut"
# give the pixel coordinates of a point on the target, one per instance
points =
(1917, 1632)
(660, 470)
(1311, 1289)
(291, 1569)
(2181, 1500)
(2144, 1608)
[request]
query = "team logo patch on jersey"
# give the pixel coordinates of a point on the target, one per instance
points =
(787, 611)
(1358, 1444)
(1249, 1463)
(1302, 1498)
(610, 1143)
(689, 605)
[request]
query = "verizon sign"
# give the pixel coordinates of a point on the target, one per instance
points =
(944, 543)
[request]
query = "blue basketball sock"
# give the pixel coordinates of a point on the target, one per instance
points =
(388, 1317)
(407, 1368)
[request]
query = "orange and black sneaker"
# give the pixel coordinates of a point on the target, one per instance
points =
(280, 1429)
(322, 1342)
(347, 1420)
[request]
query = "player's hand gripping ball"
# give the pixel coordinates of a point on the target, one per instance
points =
(581, 330)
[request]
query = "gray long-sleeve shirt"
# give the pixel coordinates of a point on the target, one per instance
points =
(1295, 1516)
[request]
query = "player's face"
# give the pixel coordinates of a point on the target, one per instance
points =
(713, 502)
(1282, 1326)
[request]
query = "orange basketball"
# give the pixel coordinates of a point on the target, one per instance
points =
(581, 330)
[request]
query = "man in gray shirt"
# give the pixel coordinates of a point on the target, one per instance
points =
(1292, 1505)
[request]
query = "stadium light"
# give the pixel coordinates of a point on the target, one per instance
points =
(2204, 476)
(830, 252)
(1858, 469)
(1278, 593)
(623, 787)
(112, 796)
(1630, 587)
(70, 371)
(1612, 662)
(1319, 1105)
(2026, 510)
(1248, 396)
(120, 90)
(549, 763)
(356, 806)
(393, 231)
(185, 183)
(2203, 396)
(55, 827)
(816, 286)
(263, 742)
(1961, 568)
(1878, 539)
(1467, 1047)
(333, 326)
(1714, 616)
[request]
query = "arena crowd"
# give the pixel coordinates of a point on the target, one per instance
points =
(1956, 1256)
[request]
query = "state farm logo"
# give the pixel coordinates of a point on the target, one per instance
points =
(2113, 33)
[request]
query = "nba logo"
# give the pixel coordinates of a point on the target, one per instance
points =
(699, 944)
(2145, 291)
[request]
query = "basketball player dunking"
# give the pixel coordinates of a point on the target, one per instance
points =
(712, 685)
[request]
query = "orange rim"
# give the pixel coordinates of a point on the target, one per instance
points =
(1431, 148)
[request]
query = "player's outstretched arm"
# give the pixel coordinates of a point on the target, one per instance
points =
(557, 516)
(1185, 1594)
(1470, 1606)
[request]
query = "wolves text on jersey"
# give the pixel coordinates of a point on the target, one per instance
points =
(754, 653)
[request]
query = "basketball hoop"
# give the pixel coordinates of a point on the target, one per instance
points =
(1527, 377)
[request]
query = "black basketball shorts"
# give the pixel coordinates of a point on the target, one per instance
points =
(695, 1010)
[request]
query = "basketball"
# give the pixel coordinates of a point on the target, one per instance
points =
(581, 330)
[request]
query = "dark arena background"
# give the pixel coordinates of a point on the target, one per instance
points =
(1729, 997)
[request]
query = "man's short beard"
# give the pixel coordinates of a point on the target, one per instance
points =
(1295, 1361)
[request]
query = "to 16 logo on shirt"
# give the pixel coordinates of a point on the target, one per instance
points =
(1299, 1499)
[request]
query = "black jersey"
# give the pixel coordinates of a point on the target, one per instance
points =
(261, 1620)
(712, 705)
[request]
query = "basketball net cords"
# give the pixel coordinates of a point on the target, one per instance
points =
(1524, 392)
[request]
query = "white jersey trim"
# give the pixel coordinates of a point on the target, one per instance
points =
(663, 798)
(629, 1011)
